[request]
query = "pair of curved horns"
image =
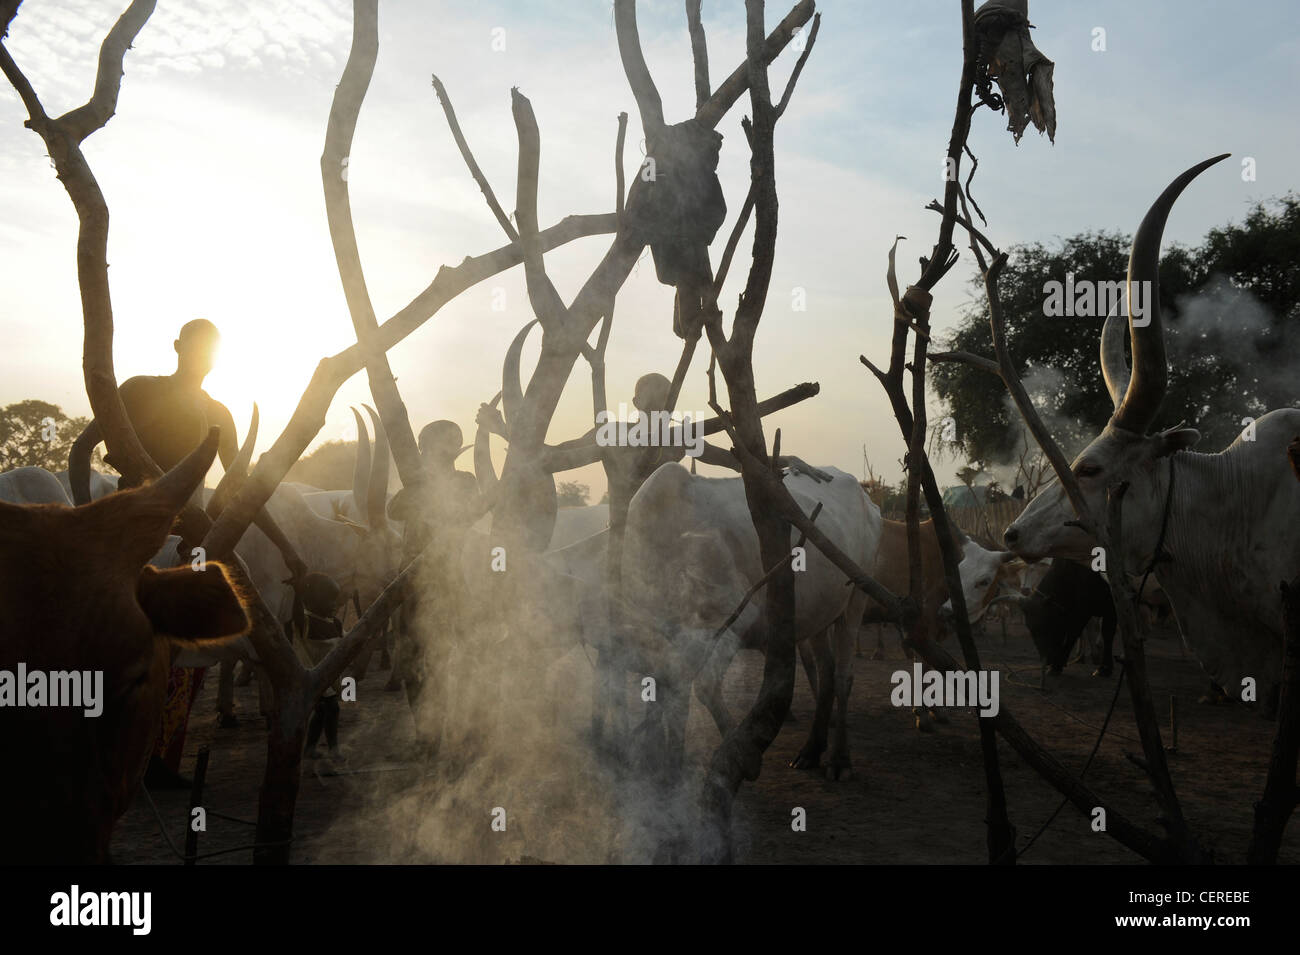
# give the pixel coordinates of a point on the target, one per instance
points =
(1137, 395)
(370, 475)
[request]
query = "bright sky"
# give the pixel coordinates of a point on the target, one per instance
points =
(211, 171)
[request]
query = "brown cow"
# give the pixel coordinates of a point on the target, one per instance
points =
(890, 569)
(76, 595)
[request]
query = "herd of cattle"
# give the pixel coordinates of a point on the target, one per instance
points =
(103, 587)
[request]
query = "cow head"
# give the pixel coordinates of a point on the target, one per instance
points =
(982, 572)
(1123, 452)
(77, 596)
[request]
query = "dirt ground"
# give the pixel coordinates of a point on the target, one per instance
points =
(914, 797)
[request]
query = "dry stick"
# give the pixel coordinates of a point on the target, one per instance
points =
(968, 358)
(340, 129)
(543, 297)
(942, 257)
(699, 52)
(648, 103)
(1139, 686)
(596, 356)
(470, 162)
(1281, 795)
(798, 67)
(620, 187)
(734, 86)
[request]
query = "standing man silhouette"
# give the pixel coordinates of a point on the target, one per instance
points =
(171, 414)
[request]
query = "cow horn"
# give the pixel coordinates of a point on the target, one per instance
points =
(175, 487)
(1114, 366)
(235, 475)
(511, 385)
(361, 468)
(1150, 375)
(377, 491)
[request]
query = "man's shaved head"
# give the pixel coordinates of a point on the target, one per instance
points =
(651, 392)
(196, 346)
(441, 439)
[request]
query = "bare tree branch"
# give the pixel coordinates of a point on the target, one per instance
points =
(648, 102)
(470, 162)
(798, 67)
(79, 123)
(699, 52)
(967, 358)
(734, 86)
(620, 186)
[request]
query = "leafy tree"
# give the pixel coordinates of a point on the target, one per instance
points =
(35, 433)
(572, 494)
(1232, 307)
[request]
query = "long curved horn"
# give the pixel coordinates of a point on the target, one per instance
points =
(174, 488)
(511, 386)
(377, 498)
(235, 475)
(1150, 375)
(361, 468)
(1114, 366)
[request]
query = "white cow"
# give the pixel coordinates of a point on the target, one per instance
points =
(982, 573)
(691, 554)
(100, 484)
(1230, 517)
(32, 486)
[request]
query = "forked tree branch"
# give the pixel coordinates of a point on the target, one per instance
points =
(340, 129)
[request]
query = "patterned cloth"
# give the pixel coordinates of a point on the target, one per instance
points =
(183, 685)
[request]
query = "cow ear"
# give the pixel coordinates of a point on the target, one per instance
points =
(1176, 439)
(197, 605)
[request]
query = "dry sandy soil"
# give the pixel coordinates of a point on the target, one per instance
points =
(914, 797)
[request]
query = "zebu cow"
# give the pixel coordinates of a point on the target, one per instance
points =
(77, 596)
(1229, 517)
(32, 486)
(983, 573)
(100, 484)
(690, 555)
(978, 577)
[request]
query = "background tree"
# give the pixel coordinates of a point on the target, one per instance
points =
(572, 494)
(35, 433)
(1232, 306)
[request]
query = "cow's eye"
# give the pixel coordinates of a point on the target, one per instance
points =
(1087, 470)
